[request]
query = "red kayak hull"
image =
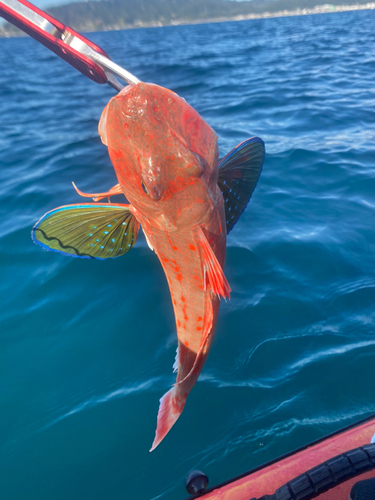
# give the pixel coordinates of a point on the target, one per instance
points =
(266, 479)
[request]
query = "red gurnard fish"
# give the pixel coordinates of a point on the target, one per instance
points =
(166, 161)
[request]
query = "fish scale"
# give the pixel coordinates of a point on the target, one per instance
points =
(184, 270)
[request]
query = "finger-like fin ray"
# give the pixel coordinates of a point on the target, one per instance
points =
(100, 196)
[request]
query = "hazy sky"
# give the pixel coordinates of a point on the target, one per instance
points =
(46, 3)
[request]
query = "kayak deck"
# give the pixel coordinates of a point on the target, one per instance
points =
(266, 479)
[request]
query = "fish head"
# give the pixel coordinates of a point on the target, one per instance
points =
(159, 146)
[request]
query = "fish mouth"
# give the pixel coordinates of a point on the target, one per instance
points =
(102, 127)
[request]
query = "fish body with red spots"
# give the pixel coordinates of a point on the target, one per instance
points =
(165, 157)
(166, 161)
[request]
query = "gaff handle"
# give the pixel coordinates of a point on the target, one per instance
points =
(51, 33)
(74, 48)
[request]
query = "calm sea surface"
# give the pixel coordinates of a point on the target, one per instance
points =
(87, 347)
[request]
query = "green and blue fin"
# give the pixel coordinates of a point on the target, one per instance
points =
(239, 172)
(88, 231)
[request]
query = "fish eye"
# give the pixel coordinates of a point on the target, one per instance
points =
(145, 188)
(198, 157)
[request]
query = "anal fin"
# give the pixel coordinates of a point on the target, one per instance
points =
(176, 361)
(212, 268)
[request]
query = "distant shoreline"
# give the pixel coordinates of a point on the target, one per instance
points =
(319, 9)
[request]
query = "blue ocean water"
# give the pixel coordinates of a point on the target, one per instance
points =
(87, 347)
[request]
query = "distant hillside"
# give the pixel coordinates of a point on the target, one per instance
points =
(102, 14)
(120, 14)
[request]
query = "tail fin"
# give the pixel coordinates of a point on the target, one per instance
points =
(169, 410)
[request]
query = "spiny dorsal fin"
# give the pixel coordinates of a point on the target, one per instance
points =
(239, 172)
(88, 230)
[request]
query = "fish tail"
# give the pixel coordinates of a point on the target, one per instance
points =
(171, 406)
(173, 401)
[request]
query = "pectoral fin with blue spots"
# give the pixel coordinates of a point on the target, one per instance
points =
(239, 172)
(89, 231)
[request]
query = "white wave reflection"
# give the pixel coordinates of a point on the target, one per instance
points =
(261, 438)
(367, 203)
(334, 351)
(98, 400)
(315, 331)
(289, 370)
(256, 384)
(348, 287)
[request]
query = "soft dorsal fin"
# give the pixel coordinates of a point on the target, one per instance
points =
(100, 196)
(87, 230)
(239, 172)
